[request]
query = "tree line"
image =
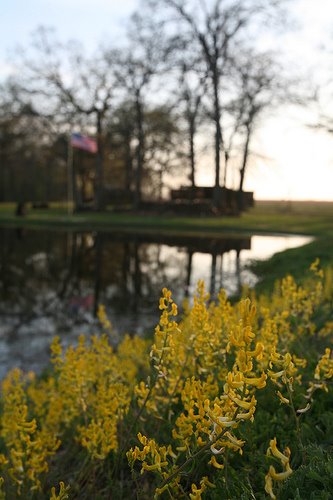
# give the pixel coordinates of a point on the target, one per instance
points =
(191, 78)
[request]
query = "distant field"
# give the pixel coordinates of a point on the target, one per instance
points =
(297, 207)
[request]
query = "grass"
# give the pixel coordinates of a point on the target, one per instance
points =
(293, 261)
(270, 217)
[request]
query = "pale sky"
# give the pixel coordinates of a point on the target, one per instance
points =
(295, 162)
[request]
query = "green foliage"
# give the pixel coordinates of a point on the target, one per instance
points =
(314, 479)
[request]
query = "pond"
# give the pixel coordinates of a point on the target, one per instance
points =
(51, 282)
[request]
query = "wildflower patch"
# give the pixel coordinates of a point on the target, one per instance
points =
(190, 413)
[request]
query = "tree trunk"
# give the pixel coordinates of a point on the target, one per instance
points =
(192, 150)
(128, 162)
(217, 119)
(139, 152)
(160, 184)
(218, 136)
(226, 164)
(74, 193)
(243, 167)
(2, 175)
(99, 200)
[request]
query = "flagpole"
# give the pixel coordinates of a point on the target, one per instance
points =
(70, 186)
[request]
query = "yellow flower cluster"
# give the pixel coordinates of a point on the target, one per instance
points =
(196, 493)
(193, 425)
(324, 369)
(272, 475)
(316, 269)
(2, 493)
(189, 397)
(93, 386)
(103, 319)
(284, 364)
(157, 455)
(28, 446)
(290, 308)
(196, 347)
(323, 372)
(196, 354)
(63, 492)
(215, 401)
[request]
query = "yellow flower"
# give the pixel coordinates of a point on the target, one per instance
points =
(276, 452)
(162, 305)
(269, 486)
(282, 398)
(304, 410)
(237, 442)
(63, 492)
(324, 368)
(197, 492)
(235, 381)
(215, 463)
(246, 405)
(280, 476)
(259, 382)
(272, 475)
(248, 415)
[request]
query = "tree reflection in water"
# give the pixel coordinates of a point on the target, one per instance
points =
(51, 282)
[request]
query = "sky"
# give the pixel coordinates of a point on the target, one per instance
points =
(295, 161)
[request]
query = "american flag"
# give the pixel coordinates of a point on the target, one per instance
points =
(83, 142)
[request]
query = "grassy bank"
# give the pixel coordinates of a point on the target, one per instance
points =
(293, 261)
(297, 217)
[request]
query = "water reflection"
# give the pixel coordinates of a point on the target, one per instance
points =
(51, 282)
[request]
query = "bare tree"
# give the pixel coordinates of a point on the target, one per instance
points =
(121, 126)
(192, 87)
(65, 82)
(136, 66)
(32, 155)
(163, 151)
(260, 87)
(216, 27)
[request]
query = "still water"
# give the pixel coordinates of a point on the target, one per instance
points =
(51, 282)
